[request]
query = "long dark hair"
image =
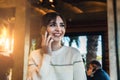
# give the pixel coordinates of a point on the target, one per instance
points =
(45, 20)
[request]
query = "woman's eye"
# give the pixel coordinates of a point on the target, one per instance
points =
(62, 25)
(55, 25)
(52, 25)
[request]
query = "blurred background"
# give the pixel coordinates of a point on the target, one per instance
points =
(92, 27)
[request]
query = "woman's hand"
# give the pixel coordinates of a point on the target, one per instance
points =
(46, 43)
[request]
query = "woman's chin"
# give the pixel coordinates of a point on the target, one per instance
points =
(57, 39)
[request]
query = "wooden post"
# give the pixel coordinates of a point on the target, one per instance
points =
(21, 40)
(114, 38)
(118, 37)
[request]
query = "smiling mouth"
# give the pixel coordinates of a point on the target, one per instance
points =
(57, 34)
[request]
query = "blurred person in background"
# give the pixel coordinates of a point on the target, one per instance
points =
(95, 71)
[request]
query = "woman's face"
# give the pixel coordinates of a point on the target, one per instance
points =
(56, 28)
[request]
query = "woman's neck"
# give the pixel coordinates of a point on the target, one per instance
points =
(56, 45)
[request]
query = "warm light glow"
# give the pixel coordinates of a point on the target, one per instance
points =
(7, 44)
(41, 0)
(12, 43)
(52, 6)
(51, 1)
(6, 40)
(3, 38)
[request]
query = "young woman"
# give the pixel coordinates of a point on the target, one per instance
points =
(53, 61)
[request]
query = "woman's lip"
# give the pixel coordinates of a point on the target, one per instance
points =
(57, 34)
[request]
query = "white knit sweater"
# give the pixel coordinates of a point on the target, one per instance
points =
(64, 64)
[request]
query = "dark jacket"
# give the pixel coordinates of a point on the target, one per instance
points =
(100, 74)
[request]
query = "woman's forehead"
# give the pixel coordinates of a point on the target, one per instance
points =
(58, 18)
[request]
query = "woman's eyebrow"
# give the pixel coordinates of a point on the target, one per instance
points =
(53, 22)
(62, 23)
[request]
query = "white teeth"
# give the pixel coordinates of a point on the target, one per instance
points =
(57, 35)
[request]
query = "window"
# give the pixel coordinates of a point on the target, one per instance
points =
(80, 42)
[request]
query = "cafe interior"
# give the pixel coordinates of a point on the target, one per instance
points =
(95, 22)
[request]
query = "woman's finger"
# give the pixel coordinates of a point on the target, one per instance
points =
(49, 45)
(44, 38)
(48, 39)
(50, 42)
(46, 35)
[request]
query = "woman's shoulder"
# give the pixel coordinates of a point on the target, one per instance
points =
(35, 53)
(74, 53)
(35, 56)
(72, 49)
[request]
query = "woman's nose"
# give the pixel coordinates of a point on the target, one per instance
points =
(58, 27)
